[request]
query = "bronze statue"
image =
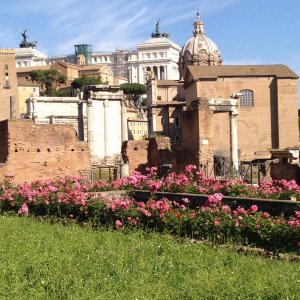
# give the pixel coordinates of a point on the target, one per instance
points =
(157, 26)
(24, 35)
(157, 33)
(24, 43)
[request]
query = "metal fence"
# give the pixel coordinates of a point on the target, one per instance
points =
(253, 172)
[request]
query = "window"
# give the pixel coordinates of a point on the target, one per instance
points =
(247, 98)
(177, 122)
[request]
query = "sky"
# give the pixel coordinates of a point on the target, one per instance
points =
(245, 31)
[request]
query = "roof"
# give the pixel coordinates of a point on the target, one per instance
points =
(213, 72)
(168, 82)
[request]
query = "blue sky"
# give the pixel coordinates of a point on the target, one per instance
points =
(246, 31)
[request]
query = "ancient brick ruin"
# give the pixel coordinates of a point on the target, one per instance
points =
(30, 151)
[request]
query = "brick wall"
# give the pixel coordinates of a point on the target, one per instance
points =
(285, 171)
(160, 151)
(8, 83)
(135, 153)
(29, 151)
(153, 152)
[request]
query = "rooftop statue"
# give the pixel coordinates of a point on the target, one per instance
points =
(157, 33)
(24, 36)
(24, 43)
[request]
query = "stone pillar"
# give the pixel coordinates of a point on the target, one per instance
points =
(13, 112)
(90, 127)
(234, 139)
(124, 170)
(106, 127)
(80, 121)
(153, 122)
(124, 128)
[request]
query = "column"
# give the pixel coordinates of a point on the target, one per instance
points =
(234, 139)
(124, 129)
(90, 127)
(106, 127)
(153, 120)
(80, 121)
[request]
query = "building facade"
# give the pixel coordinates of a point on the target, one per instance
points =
(223, 111)
(158, 54)
(8, 85)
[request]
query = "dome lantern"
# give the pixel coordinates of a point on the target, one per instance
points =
(198, 50)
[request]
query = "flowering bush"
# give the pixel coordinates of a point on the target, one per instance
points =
(193, 181)
(73, 198)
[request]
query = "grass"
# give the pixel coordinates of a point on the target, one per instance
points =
(39, 260)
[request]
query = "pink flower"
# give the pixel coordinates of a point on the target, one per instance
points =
(253, 209)
(23, 210)
(297, 213)
(216, 222)
(119, 224)
(190, 168)
(265, 215)
(185, 200)
(298, 244)
(226, 209)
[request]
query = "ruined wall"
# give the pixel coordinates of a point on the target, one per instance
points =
(187, 149)
(160, 151)
(40, 151)
(285, 171)
(142, 154)
(287, 90)
(135, 153)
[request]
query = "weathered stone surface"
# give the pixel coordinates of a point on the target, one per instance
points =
(29, 151)
(285, 171)
(135, 153)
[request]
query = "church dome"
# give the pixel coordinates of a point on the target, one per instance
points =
(199, 49)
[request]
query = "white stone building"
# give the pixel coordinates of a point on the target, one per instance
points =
(158, 54)
(101, 119)
(30, 57)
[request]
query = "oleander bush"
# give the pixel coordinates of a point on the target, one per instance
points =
(73, 198)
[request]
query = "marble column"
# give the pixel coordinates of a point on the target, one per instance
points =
(90, 128)
(234, 139)
(124, 128)
(106, 128)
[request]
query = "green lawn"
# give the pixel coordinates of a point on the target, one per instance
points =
(39, 260)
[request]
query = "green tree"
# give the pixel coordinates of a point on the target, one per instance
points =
(84, 80)
(49, 80)
(133, 92)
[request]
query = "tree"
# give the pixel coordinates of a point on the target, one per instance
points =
(78, 83)
(133, 92)
(49, 80)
